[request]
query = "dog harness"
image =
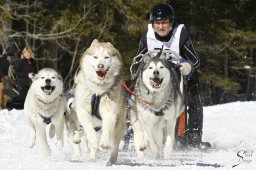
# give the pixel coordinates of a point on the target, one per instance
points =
(46, 120)
(95, 102)
(160, 113)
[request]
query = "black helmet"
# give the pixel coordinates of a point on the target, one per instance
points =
(161, 11)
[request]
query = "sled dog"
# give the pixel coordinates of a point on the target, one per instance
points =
(74, 129)
(154, 117)
(45, 105)
(100, 98)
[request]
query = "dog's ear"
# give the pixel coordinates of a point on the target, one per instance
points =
(59, 77)
(35, 77)
(94, 42)
(108, 44)
(146, 58)
(163, 56)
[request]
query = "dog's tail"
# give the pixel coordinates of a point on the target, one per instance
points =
(52, 131)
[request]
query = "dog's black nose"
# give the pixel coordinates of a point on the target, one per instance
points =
(156, 73)
(100, 65)
(48, 81)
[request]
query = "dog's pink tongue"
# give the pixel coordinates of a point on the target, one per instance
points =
(156, 81)
(101, 74)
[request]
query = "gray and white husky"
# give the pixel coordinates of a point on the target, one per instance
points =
(154, 113)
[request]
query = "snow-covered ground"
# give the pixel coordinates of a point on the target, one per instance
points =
(230, 127)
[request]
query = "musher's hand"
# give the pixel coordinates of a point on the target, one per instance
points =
(31, 75)
(185, 68)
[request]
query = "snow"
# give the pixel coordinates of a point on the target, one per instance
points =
(230, 127)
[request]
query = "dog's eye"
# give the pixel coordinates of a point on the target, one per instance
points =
(150, 68)
(107, 57)
(95, 57)
(53, 77)
(42, 77)
(161, 67)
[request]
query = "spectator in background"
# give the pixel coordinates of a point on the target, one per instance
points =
(25, 70)
(4, 66)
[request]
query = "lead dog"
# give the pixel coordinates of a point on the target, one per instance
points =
(45, 105)
(100, 99)
(153, 119)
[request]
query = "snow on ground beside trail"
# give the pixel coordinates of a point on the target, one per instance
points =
(230, 127)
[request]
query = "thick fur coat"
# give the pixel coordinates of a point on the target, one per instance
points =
(154, 118)
(45, 105)
(100, 98)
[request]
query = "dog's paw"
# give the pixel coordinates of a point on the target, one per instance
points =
(104, 147)
(31, 142)
(92, 155)
(155, 150)
(47, 154)
(144, 146)
(59, 144)
(75, 157)
(140, 155)
(76, 138)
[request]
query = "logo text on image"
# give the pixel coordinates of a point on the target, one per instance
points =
(244, 156)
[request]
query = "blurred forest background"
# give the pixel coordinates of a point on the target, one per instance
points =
(59, 31)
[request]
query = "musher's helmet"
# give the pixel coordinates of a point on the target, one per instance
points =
(161, 11)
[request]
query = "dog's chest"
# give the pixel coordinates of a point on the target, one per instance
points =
(49, 109)
(147, 115)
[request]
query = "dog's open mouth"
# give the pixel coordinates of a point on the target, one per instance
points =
(156, 82)
(48, 89)
(101, 74)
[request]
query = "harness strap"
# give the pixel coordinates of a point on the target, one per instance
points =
(46, 120)
(95, 102)
(160, 113)
(136, 95)
(98, 128)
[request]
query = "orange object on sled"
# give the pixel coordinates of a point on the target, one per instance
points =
(182, 125)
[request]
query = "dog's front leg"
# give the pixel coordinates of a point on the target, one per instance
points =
(86, 121)
(138, 135)
(42, 136)
(75, 147)
(170, 131)
(108, 125)
(149, 129)
(32, 137)
(59, 133)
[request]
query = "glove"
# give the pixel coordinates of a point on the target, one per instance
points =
(185, 68)
(31, 75)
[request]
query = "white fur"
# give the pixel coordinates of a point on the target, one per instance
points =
(151, 130)
(75, 132)
(47, 105)
(185, 68)
(105, 58)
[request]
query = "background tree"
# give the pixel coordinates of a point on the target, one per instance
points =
(59, 32)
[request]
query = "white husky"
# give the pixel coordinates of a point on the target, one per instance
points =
(100, 99)
(45, 105)
(153, 117)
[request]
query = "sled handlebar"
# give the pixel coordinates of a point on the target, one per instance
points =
(169, 53)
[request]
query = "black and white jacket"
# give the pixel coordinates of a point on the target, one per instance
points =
(177, 40)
